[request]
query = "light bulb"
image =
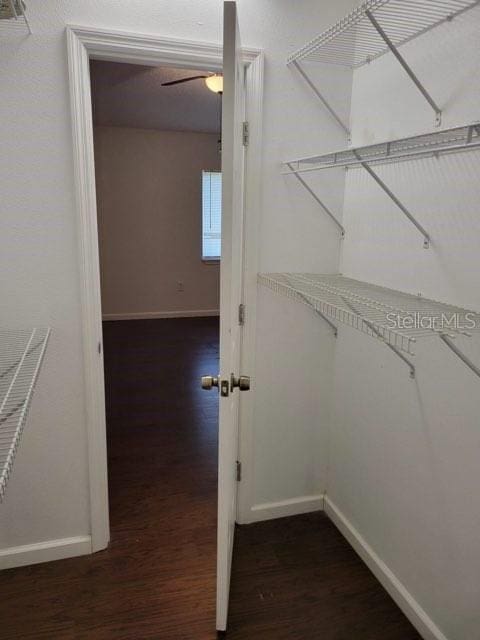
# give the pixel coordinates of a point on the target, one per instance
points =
(215, 83)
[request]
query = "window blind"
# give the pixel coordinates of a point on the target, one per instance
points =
(211, 214)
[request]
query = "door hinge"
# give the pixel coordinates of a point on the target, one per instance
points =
(99, 348)
(239, 471)
(241, 314)
(245, 134)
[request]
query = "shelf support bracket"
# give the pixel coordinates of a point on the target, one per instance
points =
(327, 320)
(327, 106)
(317, 199)
(378, 334)
(406, 66)
(320, 313)
(392, 196)
(449, 342)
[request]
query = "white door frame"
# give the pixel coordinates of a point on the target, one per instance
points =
(85, 43)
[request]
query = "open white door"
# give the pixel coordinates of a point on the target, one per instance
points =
(229, 380)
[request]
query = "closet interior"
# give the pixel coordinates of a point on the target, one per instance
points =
(397, 408)
(398, 319)
(357, 311)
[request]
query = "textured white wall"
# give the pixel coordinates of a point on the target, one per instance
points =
(404, 454)
(294, 349)
(149, 194)
(39, 279)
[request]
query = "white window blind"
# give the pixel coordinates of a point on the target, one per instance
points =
(211, 214)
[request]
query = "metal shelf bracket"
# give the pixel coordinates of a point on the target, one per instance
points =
(323, 100)
(375, 331)
(317, 199)
(406, 67)
(451, 345)
(332, 326)
(320, 314)
(393, 197)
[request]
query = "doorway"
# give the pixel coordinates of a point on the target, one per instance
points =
(158, 162)
(85, 44)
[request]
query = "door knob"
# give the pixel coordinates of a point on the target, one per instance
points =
(242, 382)
(209, 381)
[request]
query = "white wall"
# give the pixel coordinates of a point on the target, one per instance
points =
(39, 280)
(294, 350)
(149, 195)
(404, 455)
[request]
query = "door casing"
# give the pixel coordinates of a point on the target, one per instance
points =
(85, 43)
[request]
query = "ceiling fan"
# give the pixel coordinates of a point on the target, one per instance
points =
(213, 81)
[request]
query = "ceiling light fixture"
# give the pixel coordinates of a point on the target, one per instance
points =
(215, 83)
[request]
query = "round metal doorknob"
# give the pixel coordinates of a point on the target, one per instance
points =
(243, 383)
(209, 381)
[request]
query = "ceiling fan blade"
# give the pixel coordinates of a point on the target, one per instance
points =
(172, 82)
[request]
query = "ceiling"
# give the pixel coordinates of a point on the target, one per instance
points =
(129, 95)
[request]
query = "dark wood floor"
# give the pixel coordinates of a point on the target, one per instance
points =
(294, 578)
(298, 579)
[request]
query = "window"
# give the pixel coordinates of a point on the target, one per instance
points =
(211, 214)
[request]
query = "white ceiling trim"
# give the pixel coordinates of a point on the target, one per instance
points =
(148, 49)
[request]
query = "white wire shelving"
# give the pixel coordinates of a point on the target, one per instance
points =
(419, 146)
(13, 17)
(373, 29)
(454, 140)
(396, 318)
(21, 356)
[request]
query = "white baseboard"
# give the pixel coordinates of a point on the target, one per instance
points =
(284, 508)
(45, 551)
(152, 315)
(407, 603)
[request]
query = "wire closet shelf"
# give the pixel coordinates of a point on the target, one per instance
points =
(13, 17)
(354, 41)
(370, 31)
(21, 356)
(396, 318)
(453, 140)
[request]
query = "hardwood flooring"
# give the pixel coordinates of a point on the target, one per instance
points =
(298, 579)
(294, 578)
